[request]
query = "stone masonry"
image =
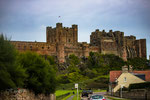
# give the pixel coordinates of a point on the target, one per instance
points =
(24, 94)
(63, 41)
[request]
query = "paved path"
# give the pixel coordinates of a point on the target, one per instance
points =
(70, 98)
(100, 93)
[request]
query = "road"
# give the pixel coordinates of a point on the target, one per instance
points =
(70, 98)
(100, 93)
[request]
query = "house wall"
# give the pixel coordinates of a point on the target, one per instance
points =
(130, 79)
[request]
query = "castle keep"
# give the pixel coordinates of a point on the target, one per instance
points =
(63, 41)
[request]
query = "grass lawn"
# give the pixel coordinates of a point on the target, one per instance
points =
(99, 90)
(61, 92)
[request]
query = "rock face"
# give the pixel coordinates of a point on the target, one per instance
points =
(23, 94)
(63, 41)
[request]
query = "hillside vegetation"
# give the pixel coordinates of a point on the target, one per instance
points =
(42, 74)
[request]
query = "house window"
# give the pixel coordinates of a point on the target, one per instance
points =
(125, 79)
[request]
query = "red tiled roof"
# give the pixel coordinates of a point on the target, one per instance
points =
(115, 74)
(146, 72)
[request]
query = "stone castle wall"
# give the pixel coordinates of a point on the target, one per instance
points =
(63, 41)
(114, 43)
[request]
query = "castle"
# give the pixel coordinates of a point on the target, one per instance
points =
(63, 41)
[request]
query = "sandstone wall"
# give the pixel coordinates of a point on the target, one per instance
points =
(63, 41)
(23, 94)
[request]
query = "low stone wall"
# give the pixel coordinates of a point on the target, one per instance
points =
(24, 94)
(134, 94)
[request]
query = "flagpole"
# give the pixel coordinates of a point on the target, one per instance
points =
(59, 18)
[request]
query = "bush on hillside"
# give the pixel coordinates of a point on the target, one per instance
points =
(12, 74)
(41, 75)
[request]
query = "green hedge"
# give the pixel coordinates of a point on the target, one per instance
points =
(145, 85)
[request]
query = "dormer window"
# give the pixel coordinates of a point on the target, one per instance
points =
(125, 79)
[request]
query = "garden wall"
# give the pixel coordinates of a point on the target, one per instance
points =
(24, 94)
(134, 94)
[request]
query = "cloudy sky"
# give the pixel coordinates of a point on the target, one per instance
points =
(26, 20)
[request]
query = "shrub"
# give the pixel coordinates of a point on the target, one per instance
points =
(145, 85)
(12, 74)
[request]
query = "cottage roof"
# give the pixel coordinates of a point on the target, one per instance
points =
(115, 75)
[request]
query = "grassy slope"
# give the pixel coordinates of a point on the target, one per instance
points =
(61, 92)
(82, 84)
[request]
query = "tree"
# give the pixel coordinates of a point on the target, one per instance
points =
(104, 63)
(114, 62)
(41, 77)
(138, 63)
(12, 74)
(73, 63)
(52, 62)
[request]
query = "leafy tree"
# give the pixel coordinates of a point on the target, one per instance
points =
(52, 62)
(138, 63)
(104, 63)
(74, 60)
(63, 79)
(95, 60)
(73, 63)
(113, 62)
(12, 74)
(75, 77)
(41, 77)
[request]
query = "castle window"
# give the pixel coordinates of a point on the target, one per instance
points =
(18, 47)
(24, 47)
(42, 47)
(30, 47)
(69, 40)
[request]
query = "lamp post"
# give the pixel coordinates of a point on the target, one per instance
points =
(121, 90)
(76, 86)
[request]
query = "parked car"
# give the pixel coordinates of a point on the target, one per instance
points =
(85, 93)
(90, 91)
(97, 97)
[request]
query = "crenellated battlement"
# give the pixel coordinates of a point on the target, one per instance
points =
(61, 34)
(115, 40)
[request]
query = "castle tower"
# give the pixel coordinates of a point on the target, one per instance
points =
(124, 54)
(61, 34)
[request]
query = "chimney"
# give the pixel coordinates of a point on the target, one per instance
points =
(125, 69)
(130, 68)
